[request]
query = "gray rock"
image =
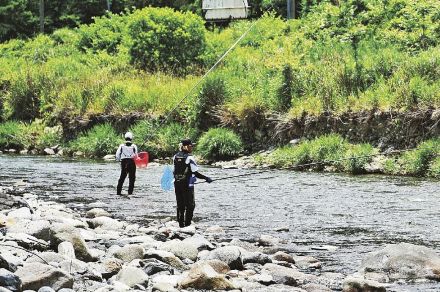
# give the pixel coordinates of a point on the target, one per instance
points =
(49, 151)
(307, 262)
(245, 245)
(354, 284)
(35, 275)
(199, 242)
(132, 276)
(21, 213)
(218, 266)
(97, 212)
(181, 249)
(255, 257)
(9, 262)
(231, 255)
(72, 266)
(106, 223)
(66, 249)
(403, 261)
(203, 276)
(37, 228)
(66, 290)
(284, 257)
(108, 268)
(287, 276)
(47, 256)
(130, 252)
(166, 257)
(64, 232)
(27, 241)
(312, 287)
(153, 266)
(46, 289)
(9, 281)
(268, 240)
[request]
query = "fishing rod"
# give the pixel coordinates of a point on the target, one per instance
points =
(299, 166)
(202, 78)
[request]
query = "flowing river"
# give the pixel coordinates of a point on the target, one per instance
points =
(336, 218)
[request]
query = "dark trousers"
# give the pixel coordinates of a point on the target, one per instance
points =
(127, 167)
(185, 203)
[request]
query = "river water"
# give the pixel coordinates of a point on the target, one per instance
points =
(336, 218)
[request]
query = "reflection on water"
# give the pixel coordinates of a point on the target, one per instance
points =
(357, 214)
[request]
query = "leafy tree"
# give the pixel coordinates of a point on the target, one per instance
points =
(18, 18)
(163, 39)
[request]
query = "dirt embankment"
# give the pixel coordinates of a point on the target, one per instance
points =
(259, 131)
(381, 129)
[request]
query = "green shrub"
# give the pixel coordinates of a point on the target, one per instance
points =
(212, 95)
(289, 156)
(219, 144)
(97, 142)
(11, 134)
(391, 166)
(24, 101)
(416, 162)
(357, 157)
(327, 148)
(434, 167)
(105, 34)
(163, 39)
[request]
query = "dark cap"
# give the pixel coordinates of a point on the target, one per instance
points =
(187, 142)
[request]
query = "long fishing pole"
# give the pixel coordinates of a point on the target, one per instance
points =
(298, 166)
(203, 78)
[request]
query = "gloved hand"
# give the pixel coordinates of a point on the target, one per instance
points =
(208, 179)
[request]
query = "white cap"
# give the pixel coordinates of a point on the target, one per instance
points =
(129, 135)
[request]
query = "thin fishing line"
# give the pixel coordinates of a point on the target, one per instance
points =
(318, 163)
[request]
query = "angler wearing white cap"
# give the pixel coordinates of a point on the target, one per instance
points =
(126, 154)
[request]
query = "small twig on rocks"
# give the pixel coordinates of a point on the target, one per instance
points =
(19, 247)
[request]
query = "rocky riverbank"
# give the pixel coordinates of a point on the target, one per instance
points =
(45, 246)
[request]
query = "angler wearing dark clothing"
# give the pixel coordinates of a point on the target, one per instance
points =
(185, 173)
(126, 154)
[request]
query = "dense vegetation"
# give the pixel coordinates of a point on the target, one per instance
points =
(338, 57)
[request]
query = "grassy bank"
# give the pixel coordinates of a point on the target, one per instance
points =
(333, 153)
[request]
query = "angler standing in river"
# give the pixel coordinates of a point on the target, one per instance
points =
(126, 154)
(185, 173)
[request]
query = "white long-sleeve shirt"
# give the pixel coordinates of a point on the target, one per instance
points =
(126, 152)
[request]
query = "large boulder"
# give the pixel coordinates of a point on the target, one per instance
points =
(287, 276)
(105, 223)
(65, 232)
(153, 266)
(203, 276)
(27, 241)
(403, 261)
(199, 242)
(36, 275)
(129, 252)
(37, 228)
(358, 284)
(132, 276)
(181, 249)
(166, 257)
(231, 255)
(97, 212)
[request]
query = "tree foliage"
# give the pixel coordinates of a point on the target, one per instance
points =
(165, 40)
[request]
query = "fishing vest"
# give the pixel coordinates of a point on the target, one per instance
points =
(182, 171)
(127, 151)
